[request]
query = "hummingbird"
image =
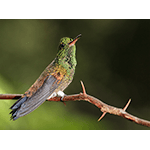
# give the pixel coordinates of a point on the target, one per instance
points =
(52, 81)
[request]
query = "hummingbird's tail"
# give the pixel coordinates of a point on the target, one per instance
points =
(15, 107)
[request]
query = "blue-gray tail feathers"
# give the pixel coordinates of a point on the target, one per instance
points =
(26, 105)
(16, 106)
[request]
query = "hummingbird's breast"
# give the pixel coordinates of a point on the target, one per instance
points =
(64, 71)
(63, 75)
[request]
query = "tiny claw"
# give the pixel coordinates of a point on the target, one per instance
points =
(104, 113)
(61, 100)
(64, 103)
(127, 105)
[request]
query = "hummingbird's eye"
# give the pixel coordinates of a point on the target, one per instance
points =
(62, 45)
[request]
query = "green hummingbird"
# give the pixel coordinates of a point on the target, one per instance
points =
(53, 80)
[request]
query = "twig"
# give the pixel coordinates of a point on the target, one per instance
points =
(105, 108)
(10, 96)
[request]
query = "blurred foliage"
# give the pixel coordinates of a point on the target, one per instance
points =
(113, 62)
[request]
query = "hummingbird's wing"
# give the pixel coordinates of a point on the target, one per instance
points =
(27, 104)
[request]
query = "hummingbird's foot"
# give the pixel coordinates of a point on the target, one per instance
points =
(61, 94)
(58, 94)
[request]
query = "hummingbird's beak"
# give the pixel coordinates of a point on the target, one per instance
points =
(74, 40)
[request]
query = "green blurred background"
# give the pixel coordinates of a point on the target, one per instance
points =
(113, 62)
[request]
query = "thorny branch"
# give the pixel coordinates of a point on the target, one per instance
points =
(105, 108)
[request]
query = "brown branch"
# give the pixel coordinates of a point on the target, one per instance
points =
(102, 106)
(10, 96)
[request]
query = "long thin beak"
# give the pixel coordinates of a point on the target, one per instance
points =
(74, 40)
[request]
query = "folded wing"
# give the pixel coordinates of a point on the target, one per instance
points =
(26, 105)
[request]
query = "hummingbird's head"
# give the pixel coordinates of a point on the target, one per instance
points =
(67, 46)
(66, 42)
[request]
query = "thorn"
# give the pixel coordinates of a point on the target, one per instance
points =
(104, 113)
(83, 88)
(127, 105)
